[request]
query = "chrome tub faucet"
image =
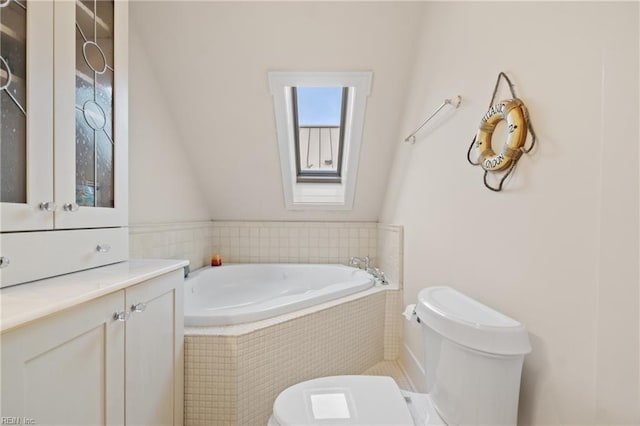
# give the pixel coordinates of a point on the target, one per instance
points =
(366, 262)
(378, 275)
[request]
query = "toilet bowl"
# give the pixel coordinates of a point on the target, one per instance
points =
(473, 364)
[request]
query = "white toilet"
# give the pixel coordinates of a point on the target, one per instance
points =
(473, 363)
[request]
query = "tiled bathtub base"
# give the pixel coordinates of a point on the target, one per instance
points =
(233, 380)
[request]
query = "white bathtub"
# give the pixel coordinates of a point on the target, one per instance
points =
(234, 294)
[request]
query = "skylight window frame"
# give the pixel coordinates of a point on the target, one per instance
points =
(320, 196)
(319, 176)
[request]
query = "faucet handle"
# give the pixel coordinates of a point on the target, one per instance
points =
(358, 261)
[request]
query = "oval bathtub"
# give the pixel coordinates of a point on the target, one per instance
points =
(234, 294)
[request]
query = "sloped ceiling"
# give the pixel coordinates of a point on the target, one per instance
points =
(212, 59)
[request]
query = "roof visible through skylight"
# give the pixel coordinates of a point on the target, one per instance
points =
(319, 106)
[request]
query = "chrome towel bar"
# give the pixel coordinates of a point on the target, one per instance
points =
(455, 102)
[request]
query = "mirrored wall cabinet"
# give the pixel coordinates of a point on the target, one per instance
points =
(63, 121)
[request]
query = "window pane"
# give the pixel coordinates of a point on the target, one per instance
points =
(319, 112)
(319, 106)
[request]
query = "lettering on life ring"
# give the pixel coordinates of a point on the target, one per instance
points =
(514, 112)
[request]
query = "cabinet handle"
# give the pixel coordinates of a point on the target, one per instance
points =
(48, 206)
(103, 248)
(138, 307)
(121, 316)
(71, 207)
(4, 262)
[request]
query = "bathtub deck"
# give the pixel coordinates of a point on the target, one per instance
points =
(393, 370)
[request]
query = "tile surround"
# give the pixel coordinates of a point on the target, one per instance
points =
(393, 325)
(189, 240)
(390, 252)
(256, 242)
(233, 379)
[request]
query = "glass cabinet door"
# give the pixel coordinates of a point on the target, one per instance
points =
(93, 138)
(26, 126)
(13, 102)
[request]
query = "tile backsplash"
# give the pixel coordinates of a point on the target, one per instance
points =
(189, 240)
(295, 242)
(390, 251)
(256, 242)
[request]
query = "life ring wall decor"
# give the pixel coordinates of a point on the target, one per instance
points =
(514, 112)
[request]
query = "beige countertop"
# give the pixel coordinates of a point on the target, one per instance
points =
(23, 303)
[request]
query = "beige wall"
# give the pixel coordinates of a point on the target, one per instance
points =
(162, 186)
(558, 249)
(212, 59)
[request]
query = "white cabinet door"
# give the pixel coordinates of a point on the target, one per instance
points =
(91, 115)
(154, 352)
(67, 369)
(26, 127)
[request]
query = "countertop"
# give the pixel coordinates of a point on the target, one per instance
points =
(30, 301)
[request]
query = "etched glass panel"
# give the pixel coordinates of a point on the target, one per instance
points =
(13, 101)
(94, 103)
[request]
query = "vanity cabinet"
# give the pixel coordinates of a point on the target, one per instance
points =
(69, 368)
(115, 360)
(154, 352)
(64, 126)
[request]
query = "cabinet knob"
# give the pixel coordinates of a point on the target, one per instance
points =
(71, 207)
(138, 307)
(4, 262)
(121, 316)
(103, 248)
(48, 206)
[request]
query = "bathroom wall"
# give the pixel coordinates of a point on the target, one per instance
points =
(558, 249)
(212, 59)
(162, 186)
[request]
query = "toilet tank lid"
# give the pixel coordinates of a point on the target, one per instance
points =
(470, 323)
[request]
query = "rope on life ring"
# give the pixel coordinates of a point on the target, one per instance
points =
(514, 112)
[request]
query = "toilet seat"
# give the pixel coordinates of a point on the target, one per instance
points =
(343, 400)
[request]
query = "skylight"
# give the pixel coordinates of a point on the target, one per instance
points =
(318, 118)
(319, 121)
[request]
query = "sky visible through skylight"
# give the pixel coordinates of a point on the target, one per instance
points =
(319, 106)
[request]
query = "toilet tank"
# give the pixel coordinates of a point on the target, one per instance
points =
(473, 358)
